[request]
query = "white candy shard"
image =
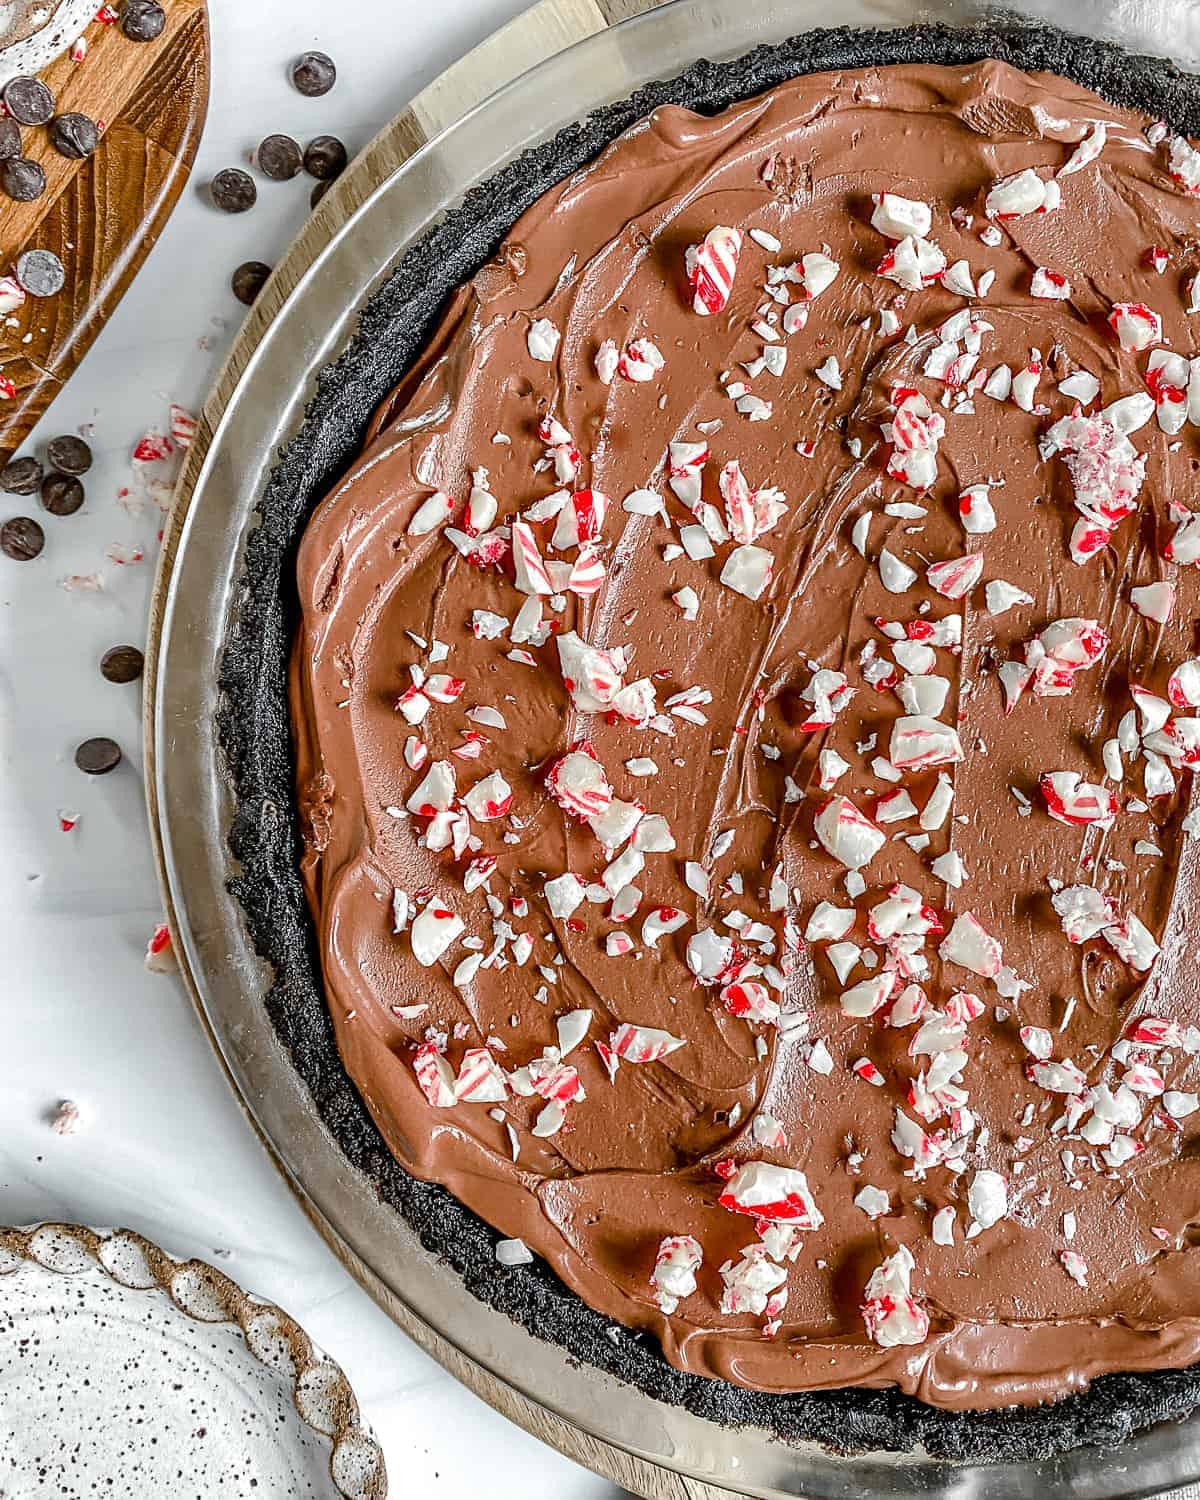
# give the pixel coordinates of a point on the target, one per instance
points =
(780, 1195)
(897, 217)
(848, 834)
(678, 1259)
(434, 928)
(891, 1314)
(970, 945)
(542, 339)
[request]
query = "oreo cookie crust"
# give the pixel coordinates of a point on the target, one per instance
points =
(255, 736)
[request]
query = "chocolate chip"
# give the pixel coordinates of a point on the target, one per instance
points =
(22, 179)
(74, 135)
(62, 494)
(318, 192)
(69, 454)
(314, 74)
(28, 101)
(122, 664)
(40, 273)
(10, 138)
(97, 757)
(143, 20)
(248, 280)
(21, 539)
(233, 190)
(22, 476)
(279, 157)
(325, 157)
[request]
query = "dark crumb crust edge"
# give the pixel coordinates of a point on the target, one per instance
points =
(253, 726)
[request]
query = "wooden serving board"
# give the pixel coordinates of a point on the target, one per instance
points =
(102, 215)
(549, 26)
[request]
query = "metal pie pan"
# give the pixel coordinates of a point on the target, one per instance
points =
(194, 801)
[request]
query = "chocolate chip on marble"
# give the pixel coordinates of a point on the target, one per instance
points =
(325, 157)
(98, 756)
(122, 664)
(21, 538)
(248, 280)
(279, 157)
(23, 476)
(69, 454)
(233, 190)
(62, 494)
(314, 74)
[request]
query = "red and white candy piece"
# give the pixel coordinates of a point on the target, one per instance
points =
(1069, 799)
(711, 268)
(919, 743)
(1135, 325)
(480, 1078)
(643, 1044)
(435, 1076)
(1051, 286)
(956, 576)
(1155, 601)
(914, 263)
(750, 1000)
(750, 1282)
(431, 513)
(640, 360)
(1087, 150)
(969, 944)
(893, 1316)
(848, 834)
(580, 520)
(434, 928)
(1184, 165)
(490, 798)
(678, 1259)
(780, 1195)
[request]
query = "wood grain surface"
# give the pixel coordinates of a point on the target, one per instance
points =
(542, 30)
(100, 216)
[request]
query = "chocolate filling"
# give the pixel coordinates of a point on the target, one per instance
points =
(395, 328)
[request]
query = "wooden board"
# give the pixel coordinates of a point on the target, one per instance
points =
(547, 27)
(100, 216)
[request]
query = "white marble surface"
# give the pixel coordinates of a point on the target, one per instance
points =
(163, 1147)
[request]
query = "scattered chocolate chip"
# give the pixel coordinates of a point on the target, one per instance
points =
(62, 494)
(143, 20)
(279, 157)
(10, 138)
(21, 538)
(325, 157)
(122, 664)
(74, 135)
(314, 74)
(248, 280)
(99, 756)
(22, 179)
(233, 190)
(28, 101)
(69, 454)
(23, 476)
(40, 273)
(318, 192)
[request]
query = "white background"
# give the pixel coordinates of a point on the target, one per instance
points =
(163, 1148)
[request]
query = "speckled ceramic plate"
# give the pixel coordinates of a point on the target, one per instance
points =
(125, 1372)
